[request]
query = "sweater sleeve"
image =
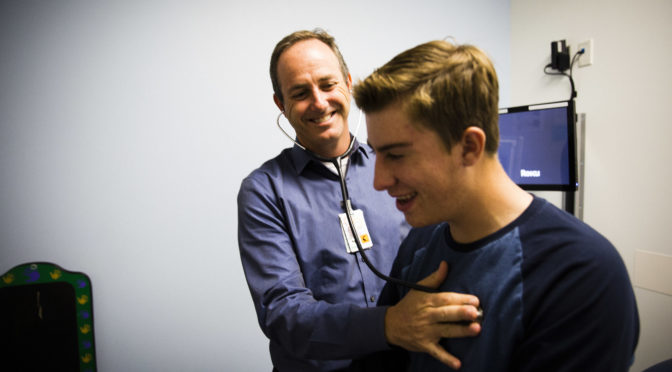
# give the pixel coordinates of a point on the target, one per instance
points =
(579, 309)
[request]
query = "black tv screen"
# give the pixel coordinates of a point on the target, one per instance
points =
(537, 145)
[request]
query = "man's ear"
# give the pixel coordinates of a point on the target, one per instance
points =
(278, 103)
(473, 145)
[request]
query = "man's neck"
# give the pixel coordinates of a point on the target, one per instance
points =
(334, 149)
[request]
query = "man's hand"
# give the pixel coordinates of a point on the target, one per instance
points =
(421, 319)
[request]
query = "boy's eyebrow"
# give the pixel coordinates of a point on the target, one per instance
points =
(389, 147)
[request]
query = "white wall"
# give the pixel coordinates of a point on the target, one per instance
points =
(627, 100)
(126, 128)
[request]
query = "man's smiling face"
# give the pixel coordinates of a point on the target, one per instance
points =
(316, 97)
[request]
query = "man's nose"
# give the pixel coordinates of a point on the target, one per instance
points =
(320, 101)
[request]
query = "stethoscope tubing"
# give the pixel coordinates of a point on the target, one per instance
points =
(348, 207)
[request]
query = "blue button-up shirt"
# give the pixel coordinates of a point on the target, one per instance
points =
(314, 301)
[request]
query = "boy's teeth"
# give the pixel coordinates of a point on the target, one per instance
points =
(406, 197)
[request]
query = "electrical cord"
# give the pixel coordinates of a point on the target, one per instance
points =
(562, 73)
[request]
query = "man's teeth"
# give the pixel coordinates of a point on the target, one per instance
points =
(322, 119)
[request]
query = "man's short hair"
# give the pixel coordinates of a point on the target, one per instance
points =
(443, 87)
(294, 38)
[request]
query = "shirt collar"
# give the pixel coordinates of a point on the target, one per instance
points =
(301, 158)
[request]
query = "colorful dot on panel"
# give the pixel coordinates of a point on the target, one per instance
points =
(84, 314)
(32, 274)
(86, 358)
(86, 344)
(83, 299)
(55, 274)
(86, 328)
(7, 279)
(81, 283)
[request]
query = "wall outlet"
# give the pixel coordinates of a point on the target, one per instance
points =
(586, 59)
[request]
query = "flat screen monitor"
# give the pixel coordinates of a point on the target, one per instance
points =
(537, 145)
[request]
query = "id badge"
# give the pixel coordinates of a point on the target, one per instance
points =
(360, 227)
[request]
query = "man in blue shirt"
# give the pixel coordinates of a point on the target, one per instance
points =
(555, 293)
(315, 298)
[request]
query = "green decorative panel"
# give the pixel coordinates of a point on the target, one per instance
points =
(46, 319)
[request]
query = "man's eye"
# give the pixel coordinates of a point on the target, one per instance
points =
(329, 86)
(299, 95)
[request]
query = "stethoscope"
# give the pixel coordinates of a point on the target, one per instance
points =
(348, 206)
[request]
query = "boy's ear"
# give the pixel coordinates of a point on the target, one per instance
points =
(473, 145)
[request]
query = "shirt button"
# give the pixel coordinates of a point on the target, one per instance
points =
(373, 299)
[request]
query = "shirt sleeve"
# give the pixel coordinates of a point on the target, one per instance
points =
(287, 311)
